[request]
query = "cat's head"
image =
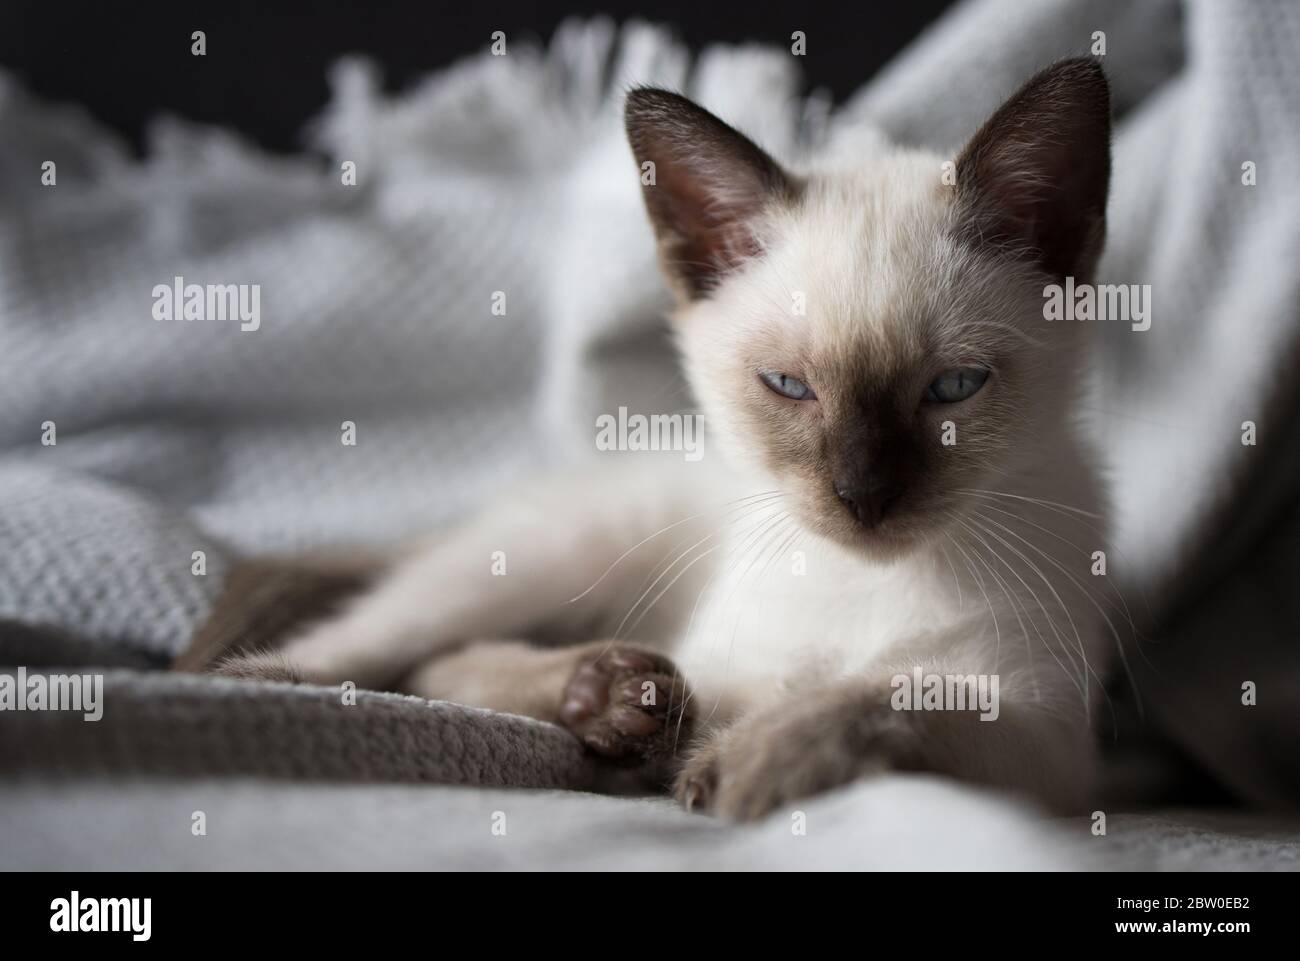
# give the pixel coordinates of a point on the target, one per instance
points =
(872, 337)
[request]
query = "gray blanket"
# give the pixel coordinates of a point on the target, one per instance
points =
(289, 777)
(508, 176)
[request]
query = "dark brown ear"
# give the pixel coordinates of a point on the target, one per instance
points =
(704, 185)
(1034, 179)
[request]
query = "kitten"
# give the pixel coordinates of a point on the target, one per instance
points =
(906, 488)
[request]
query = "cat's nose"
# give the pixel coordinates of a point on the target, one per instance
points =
(870, 500)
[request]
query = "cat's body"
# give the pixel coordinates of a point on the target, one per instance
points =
(906, 494)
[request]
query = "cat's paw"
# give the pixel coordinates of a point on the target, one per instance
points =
(773, 758)
(627, 703)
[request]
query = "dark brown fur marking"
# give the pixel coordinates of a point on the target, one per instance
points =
(264, 600)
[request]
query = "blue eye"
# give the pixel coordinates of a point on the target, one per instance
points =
(956, 385)
(786, 386)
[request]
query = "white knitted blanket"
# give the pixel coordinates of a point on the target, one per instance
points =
(509, 174)
(505, 180)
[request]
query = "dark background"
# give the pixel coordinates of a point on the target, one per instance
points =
(264, 74)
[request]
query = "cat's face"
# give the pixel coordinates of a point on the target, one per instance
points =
(872, 339)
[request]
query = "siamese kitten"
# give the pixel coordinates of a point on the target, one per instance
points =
(906, 495)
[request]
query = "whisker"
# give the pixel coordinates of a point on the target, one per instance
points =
(645, 540)
(764, 506)
(1083, 589)
(1042, 502)
(1051, 622)
(1065, 540)
(1139, 635)
(980, 583)
(1043, 577)
(680, 574)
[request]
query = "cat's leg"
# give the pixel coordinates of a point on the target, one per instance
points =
(802, 745)
(622, 701)
(513, 571)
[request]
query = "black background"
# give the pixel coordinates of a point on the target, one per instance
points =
(365, 915)
(265, 69)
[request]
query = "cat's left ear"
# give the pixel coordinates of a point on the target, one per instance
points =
(1034, 179)
(705, 186)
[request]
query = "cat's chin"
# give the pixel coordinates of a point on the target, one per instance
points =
(887, 548)
(879, 545)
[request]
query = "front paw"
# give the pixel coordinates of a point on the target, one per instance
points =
(775, 757)
(627, 703)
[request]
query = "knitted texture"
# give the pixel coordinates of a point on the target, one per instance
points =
(509, 176)
(181, 725)
(106, 562)
(503, 182)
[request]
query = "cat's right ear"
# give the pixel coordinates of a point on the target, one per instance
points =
(705, 185)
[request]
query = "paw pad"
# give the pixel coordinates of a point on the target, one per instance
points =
(626, 703)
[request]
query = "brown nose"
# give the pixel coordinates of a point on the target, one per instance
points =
(870, 499)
